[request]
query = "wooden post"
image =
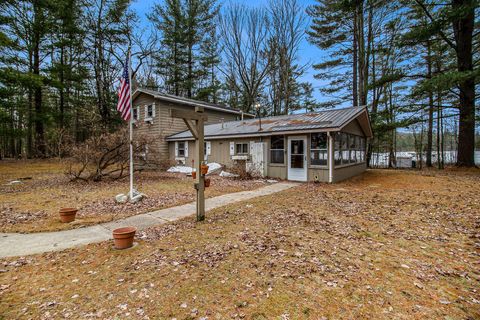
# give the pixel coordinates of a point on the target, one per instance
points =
(199, 150)
(197, 130)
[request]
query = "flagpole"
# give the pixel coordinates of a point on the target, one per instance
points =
(130, 122)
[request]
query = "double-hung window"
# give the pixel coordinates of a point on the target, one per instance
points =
(277, 149)
(318, 149)
(241, 148)
(181, 149)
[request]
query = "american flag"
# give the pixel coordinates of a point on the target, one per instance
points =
(123, 105)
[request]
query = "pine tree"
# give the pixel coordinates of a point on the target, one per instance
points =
(184, 26)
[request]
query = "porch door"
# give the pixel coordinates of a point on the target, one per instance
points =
(297, 158)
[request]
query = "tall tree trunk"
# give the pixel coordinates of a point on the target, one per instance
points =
(355, 60)
(361, 54)
(430, 109)
(62, 96)
(37, 92)
(463, 31)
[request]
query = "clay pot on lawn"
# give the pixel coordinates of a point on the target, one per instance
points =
(207, 183)
(204, 169)
(67, 214)
(194, 175)
(123, 237)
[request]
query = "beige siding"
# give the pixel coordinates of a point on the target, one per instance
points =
(354, 128)
(143, 128)
(163, 125)
(277, 172)
(343, 173)
(220, 151)
(321, 173)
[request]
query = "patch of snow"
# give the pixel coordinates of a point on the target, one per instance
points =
(180, 169)
(272, 181)
(226, 174)
(213, 166)
(188, 170)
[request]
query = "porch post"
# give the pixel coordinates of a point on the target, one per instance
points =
(330, 160)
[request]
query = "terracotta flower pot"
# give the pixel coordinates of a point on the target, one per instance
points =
(67, 214)
(207, 183)
(204, 168)
(194, 175)
(123, 237)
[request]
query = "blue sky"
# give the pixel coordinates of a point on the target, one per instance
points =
(308, 54)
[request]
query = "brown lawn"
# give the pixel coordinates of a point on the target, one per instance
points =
(386, 245)
(33, 205)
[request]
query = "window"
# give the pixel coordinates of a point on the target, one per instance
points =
(352, 146)
(277, 149)
(349, 148)
(135, 113)
(181, 149)
(241, 148)
(338, 150)
(149, 112)
(344, 148)
(318, 149)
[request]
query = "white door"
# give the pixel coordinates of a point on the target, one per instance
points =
(256, 165)
(297, 158)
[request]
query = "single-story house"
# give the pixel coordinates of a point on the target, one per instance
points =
(325, 146)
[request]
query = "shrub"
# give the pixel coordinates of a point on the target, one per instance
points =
(240, 169)
(107, 156)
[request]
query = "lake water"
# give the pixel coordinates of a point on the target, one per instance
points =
(381, 159)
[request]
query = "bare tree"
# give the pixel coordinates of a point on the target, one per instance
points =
(245, 41)
(288, 22)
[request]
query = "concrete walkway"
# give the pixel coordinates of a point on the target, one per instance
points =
(16, 244)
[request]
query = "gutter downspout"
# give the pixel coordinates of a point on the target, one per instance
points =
(330, 156)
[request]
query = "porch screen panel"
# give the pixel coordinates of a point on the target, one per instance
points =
(338, 150)
(318, 149)
(277, 149)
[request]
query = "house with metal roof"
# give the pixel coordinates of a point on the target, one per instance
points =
(151, 116)
(325, 146)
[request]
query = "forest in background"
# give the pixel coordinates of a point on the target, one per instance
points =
(414, 63)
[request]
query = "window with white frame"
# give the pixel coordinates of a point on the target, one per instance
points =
(181, 149)
(241, 148)
(277, 149)
(149, 112)
(318, 149)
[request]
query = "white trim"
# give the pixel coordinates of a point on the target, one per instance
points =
(209, 148)
(186, 149)
(330, 161)
(256, 134)
(240, 157)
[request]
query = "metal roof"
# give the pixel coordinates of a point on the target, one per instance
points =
(317, 121)
(187, 101)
